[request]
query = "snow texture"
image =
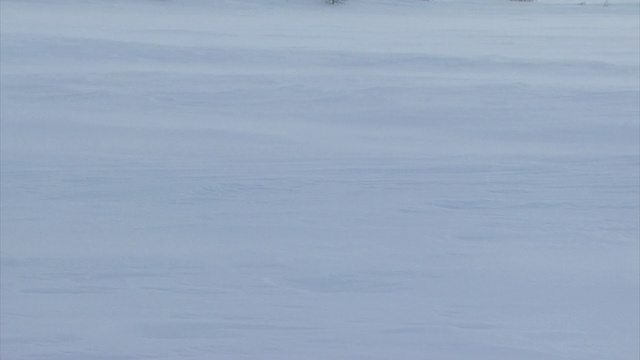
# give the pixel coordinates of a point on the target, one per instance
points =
(388, 179)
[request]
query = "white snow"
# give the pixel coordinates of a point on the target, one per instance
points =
(244, 179)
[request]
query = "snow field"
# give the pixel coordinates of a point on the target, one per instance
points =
(291, 180)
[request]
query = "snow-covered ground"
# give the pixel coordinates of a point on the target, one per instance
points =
(220, 179)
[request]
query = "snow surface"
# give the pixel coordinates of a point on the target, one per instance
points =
(220, 179)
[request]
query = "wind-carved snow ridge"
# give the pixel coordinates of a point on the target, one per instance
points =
(292, 180)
